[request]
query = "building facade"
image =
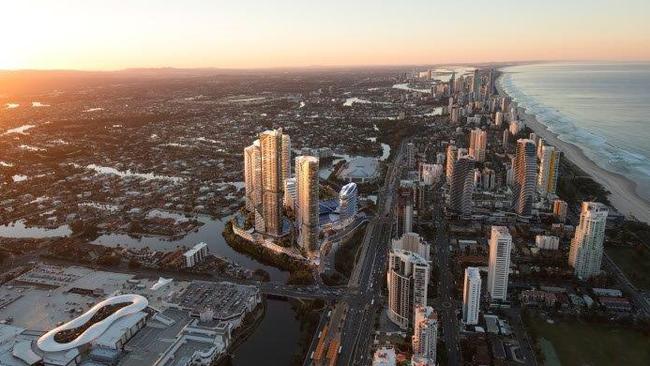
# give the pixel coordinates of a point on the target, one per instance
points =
(525, 169)
(272, 183)
(548, 170)
(410, 155)
(425, 334)
(462, 185)
(196, 255)
(471, 295)
(412, 242)
(307, 209)
(286, 157)
(499, 264)
(408, 279)
(478, 144)
(586, 253)
(253, 176)
(348, 201)
(560, 210)
(290, 193)
(452, 155)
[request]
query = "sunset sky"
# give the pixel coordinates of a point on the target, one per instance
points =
(107, 35)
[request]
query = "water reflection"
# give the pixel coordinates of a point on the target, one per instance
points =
(211, 232)
(274, 341)
(18, 229)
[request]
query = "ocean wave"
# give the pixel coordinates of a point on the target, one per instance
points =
(596, 147)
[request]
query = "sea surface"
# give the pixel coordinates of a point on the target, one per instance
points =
(603, 108)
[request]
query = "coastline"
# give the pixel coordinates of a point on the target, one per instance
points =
(622, 195)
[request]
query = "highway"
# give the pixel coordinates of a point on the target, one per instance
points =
(445, 304)
(369, 274)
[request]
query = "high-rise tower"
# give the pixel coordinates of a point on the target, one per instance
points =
(408, 278)
(477, 144)
(525, 168)
(425, 333)
(307, 205)
(586, 253)
(462, 185)
(253, 176)
(471, 295)
(272, 184)
(548, 170)
(286, 157)
(499, 265)
(452, 155)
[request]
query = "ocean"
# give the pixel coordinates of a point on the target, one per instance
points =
(603, 108)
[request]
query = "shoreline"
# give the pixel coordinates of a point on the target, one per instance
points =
(622, 194)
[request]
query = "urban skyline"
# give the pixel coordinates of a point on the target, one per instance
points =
(324, 183)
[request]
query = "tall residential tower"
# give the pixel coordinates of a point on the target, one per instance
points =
(272, 183)
(525, 169)
(586, 253)
(499, 265)
(425, 332)
(253, 176)
(471, 295)
(548, 170)
(307, 202)
(408, 278)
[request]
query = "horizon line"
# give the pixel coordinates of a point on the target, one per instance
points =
(337, 66)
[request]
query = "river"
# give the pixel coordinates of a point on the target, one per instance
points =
(274, 341)
(211, 233)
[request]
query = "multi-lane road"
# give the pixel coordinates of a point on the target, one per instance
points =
(445, 304)
(368, 275)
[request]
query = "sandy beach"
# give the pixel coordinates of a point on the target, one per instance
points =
(623, 194)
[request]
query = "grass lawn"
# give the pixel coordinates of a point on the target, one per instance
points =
(577, 343)
(635, 263)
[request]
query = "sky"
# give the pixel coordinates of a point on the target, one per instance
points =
(117, 34)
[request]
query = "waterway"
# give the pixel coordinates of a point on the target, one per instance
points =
(211, 233)
(18, 229)
(274, 341)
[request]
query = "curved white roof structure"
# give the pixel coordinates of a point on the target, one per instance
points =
(47, 343)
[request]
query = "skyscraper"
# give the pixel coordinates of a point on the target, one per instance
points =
(525, 168)
(253, 175)
(476, 85)
(425, 334)
(462, 185)
(348, 201)
(286, 157)
(586, 253)
(410, 155)
(471, 295)
(452, 80)
(452, 155)
(307, 205)
(477, 144)
(499, 265)
(408, 278)
(491, 81)
(548, 170)
(272, 184)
